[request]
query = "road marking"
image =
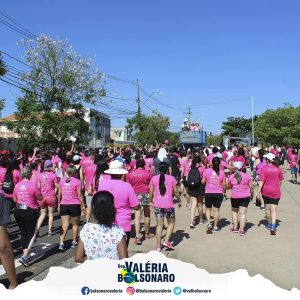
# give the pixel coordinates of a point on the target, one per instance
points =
(37, 251)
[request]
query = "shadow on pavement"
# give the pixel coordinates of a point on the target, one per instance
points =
(264, 222)
(21, 277)
(223, 223)
(178, 236)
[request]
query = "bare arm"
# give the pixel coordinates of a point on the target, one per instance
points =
(122, 248)
(80, 256)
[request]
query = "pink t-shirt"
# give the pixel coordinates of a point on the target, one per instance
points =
(47, 181)
(56, 160)
(139, 179)
(34, 176)
(148, 163)
(214, 182)
(16, 179)
(240, 159)
(293, 160)
(271, 176)
(240, 190)
(101, 178)
(209, 158)
(26, 192)
(69, 191)
(89, 170)
(132, 165)
(187, 167)
(275, 151)
(2, 174)
(124, 200)
(166, 200)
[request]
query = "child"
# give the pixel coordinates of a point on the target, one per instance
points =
(103, 238)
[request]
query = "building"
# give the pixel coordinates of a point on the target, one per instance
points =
(99, 128)
(120, 136)
(99, 135)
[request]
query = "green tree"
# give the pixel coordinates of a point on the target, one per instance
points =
(235, 126)
(148, 129)
(2, 66)
(58, 85)
(279, 126)
(173, 137)
(215, 140)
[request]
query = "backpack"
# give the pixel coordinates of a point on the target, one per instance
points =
(193, 179)
(8, 186)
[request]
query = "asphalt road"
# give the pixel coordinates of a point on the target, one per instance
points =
(275, 257)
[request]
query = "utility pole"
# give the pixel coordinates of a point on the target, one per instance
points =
(139, 111)
(252, 103)
(189, 114)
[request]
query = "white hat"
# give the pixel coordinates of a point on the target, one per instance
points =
(72, 138)
(219, 155)
(116, 167)
(76, 157)
(211, 146)
(238, 165)
(270, 156)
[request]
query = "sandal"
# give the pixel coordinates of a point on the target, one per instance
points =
(137, 241)
(149, 236)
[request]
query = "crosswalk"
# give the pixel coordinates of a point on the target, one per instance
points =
(36, 252)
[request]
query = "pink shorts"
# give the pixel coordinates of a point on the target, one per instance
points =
(48, 201)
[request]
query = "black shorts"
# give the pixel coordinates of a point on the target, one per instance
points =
(197, 191)
(268, 200)
(237, 202)
(72, 210)
(214, 200)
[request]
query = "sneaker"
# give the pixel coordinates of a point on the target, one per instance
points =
(74, 245)
(209, 229)
(234, 229)
(51, 233)
(202, 222)
(24, 260)
(268, 226)
(273, 229)
(168, 245)
(61, 248)
(242, 232)
(262, 208)
(192, 225)
(215, 229)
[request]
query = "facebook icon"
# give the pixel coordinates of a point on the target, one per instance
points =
(85, 290)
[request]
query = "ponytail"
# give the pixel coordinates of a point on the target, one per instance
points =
(163, 167)
(162, 186)
(69, 173)
(216, 165)
(238, 176)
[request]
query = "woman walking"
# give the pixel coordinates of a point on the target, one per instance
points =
(270, 180)
(140, 179)
(215, 187)
(196, 190)
(162, 189)
(48, 184)
(70, 205)
(241, 193)
(26, 196)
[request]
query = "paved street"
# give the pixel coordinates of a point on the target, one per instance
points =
(275, 257)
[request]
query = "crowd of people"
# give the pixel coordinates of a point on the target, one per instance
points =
(110, 187)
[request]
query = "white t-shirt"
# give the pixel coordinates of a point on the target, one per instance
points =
(101, 240)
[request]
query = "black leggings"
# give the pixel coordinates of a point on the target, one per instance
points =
(128, 233)
(26, 220)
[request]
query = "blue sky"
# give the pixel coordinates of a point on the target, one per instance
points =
(198, 53)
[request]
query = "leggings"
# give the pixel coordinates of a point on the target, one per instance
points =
(26, 220)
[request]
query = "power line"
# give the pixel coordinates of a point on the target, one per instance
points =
(17, 24)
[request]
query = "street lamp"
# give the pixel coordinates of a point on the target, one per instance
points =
(158, 92)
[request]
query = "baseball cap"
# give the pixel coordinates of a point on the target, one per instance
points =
(76, 157)
(270, 156)
(48, 164)
(238, 165)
